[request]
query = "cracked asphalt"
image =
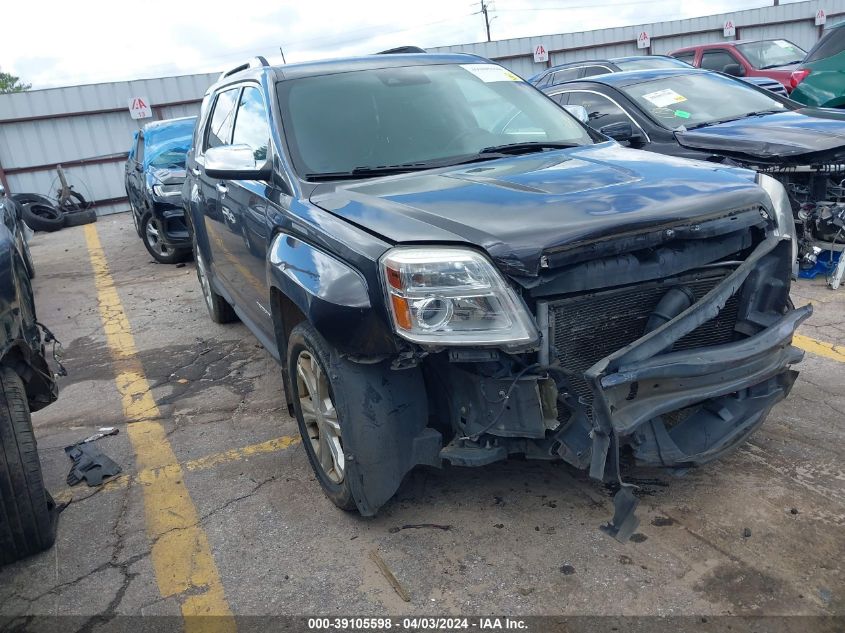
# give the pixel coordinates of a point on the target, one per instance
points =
(760, 533)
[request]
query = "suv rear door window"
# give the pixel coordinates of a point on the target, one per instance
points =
(251, 124)
(590, 71)
(717, 60)
(832, 43)
(220, 126)
(568, 74)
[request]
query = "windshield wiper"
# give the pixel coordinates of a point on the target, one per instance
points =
(526, 147)
(794, 61)
(367, 172)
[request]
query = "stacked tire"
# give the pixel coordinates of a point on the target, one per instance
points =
(41, 214)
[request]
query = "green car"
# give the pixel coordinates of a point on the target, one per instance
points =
(819, 80)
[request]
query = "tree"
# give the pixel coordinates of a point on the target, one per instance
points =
(10, 83)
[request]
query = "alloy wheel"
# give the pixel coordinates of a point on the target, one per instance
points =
(153, 238)
(320, 416)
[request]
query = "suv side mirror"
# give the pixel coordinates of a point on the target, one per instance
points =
(734, 69)
(236, 162)
(622, 132)
(579, 112)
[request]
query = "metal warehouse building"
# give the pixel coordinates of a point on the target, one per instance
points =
(88, 129)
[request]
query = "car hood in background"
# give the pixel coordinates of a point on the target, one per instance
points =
(518, 208)
(794, 137)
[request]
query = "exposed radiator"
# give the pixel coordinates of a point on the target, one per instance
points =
(586, 328)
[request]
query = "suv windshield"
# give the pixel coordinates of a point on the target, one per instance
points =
(166, 145)
(645, 63)
(771, 53)
(699, 99)
(416, 116)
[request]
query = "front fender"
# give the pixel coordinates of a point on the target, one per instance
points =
(332, 295)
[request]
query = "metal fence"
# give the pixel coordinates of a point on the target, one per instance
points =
(794, 22)
(86, 129)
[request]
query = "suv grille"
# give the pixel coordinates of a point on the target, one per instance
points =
(587, 328)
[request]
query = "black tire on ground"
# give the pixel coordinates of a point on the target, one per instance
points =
(218, 308)
(78, 218)
(150, 235)
(304, 338)
(24, 198)
(41, 217)
(73, 202)
(28, 515)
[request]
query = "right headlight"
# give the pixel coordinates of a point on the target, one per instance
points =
(453, 296)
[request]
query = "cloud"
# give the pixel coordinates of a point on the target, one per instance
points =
(103, 40)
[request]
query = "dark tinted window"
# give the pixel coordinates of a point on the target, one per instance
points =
(688, 57)
(139, 149)
(251, 124)
(717, 60)
(220, 126)
(832, 43)
(589, 71)
(601, 110)
(568, 74)
(561, 98)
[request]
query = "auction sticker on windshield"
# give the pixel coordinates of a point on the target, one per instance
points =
(664, 98)
(489, 73)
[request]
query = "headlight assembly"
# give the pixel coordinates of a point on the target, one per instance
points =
(783, 210)
(167, 191)
(453, 296)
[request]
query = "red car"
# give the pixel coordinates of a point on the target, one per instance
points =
(775, 59)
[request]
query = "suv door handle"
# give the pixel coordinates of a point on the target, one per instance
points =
(222, 187)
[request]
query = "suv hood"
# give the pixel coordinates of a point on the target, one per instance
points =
(800, 136)
(519, 208)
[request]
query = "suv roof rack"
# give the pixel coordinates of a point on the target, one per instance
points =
(402, 49)
(256, 62)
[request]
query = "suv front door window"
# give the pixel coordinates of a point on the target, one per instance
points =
(244, 204)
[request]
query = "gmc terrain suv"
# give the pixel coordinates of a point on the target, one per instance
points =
(449, 266)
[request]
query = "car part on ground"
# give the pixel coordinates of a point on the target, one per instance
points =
(153, 178)
(381, 254)
(80, 217)
(89, 464)
(41, 217)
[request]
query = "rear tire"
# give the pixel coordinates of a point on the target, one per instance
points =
(41, 217)
(28, 514)
(218, 308)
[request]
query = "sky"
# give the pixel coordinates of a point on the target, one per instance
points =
(50, 43)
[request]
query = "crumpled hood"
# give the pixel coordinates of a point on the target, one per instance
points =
(518, 208)
(791, 137)
(168, 175)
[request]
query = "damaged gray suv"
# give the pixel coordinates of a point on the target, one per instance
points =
(450, 267)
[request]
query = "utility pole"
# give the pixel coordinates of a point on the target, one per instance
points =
(486, 18)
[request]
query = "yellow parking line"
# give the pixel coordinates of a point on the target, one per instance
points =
(201, 463)
(181, 554)
(819, 348)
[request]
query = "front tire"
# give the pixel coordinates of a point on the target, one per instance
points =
(152, 234)
(28, 515)
(319, 421)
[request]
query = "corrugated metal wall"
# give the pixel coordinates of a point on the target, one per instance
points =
(89, 123)
(794, 21)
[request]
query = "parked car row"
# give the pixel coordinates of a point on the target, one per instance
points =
(449, 267)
